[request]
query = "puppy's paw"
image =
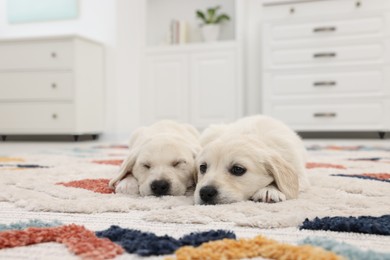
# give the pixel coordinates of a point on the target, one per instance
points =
(269, 194)
(128, 185)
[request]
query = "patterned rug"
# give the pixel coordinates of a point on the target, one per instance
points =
(350, 193)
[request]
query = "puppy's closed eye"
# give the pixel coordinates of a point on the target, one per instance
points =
(178, 163)
(146, 165)
(237, 170)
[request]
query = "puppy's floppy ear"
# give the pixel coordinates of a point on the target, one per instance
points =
(285, 177)
(125, 169)
(195, 149)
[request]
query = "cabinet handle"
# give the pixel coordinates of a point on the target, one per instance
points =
(54, 116)
(53, 85)
(54, 54)
(324, 29)
(324, 83)
(324, 55)
(327, 115)
(358, 4)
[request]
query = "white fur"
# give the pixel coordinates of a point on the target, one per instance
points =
(159, 146)
(272, 154)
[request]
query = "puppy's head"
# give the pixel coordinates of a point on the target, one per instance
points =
(164, 165)
(232, 170)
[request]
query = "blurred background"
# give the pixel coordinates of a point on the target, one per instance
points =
(101, 68)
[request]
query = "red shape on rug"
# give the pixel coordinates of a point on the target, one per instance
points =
(78, 239)
(380, 176)
(311, 165)
(109, 162)
(343, 148)
(95, 185)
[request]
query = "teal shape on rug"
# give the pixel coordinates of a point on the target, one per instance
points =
(20, 225)
(23, 11)
(341, 248)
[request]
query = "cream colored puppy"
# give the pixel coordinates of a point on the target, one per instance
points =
(161, 160)
(255, 158)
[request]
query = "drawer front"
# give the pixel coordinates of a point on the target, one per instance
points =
(329, 55)
(315, 9)
(36, 55)
(36, 85)
(329, 83)
(328, 29)
(43, 117)
(328, 115)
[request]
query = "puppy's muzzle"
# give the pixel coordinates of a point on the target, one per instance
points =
(160, 187)
(208, 194)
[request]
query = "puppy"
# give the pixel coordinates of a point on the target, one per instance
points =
(161, 160)
(256, 158)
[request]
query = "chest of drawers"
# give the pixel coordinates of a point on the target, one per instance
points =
(326, 64)
(51, 86)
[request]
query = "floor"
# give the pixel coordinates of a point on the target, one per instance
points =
(9, 213)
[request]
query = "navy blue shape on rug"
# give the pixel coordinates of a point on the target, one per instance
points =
(363, 224)
(23, 165)
(361, 177)
(148, 244)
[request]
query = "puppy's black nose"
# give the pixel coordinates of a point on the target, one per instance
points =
(160, 187)
(208, 193)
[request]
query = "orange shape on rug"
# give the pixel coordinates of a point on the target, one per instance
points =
(109, 162)
(342, 148)
(77, 239)
(95, 185)
(249, 248)
(10, 159)
(311, 165)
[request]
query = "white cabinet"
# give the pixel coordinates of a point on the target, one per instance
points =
(326, 64)
(192, 81)
(165, 92)
(214, 89)
(195, 84)
(51, 86)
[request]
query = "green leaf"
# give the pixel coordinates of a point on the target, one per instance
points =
(201, 16)
(211, 14)
(221, 18)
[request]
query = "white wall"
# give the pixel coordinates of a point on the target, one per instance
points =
(112, 22)
(252, 31)
(129, 49)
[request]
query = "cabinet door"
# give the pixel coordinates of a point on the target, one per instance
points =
(214, 88)
(165, 90)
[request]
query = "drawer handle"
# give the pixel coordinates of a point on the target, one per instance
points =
(54, 116)
(324, 83)
(54, 55)
(324, 29)
(53, 85)
(358, 4)
(324, 55)
(327, 115)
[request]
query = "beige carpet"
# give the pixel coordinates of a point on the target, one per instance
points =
(33, 193)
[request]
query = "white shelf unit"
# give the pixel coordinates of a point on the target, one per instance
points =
(197, 82)
(51, 85)
(160, 13)
(326, 64)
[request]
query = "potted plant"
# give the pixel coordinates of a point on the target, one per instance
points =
(211, 23)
